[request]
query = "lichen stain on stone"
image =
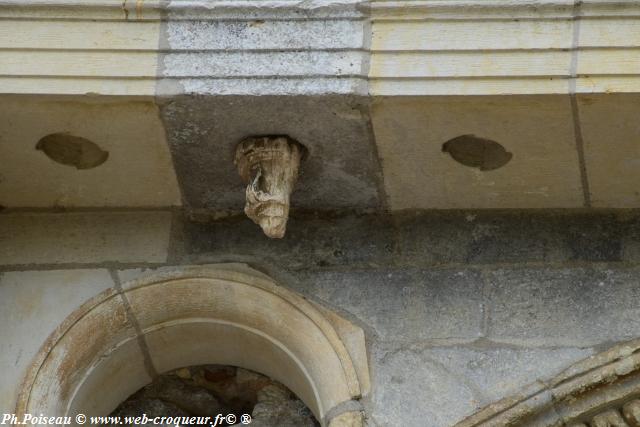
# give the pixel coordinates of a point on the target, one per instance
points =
(125, 10)
(72, 150)
(476, 152)
(139, 5)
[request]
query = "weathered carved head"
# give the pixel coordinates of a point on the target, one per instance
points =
(269, 167)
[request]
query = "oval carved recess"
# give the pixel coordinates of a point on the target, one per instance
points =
(600, 391)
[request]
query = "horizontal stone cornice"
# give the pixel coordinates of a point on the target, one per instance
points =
(499, 9)
(385, 48)
(182, 9)
(317, 9)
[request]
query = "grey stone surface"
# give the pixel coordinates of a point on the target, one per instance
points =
(341, 170)
(276, 408)
(412, 390)
(311, 241)
(404, 305)
(427, 239)
(492, 237)
(563, 306)
(252, 9)
(300, 34)
(278, 48)
(437, 387)
(225, 64)
(497, 372)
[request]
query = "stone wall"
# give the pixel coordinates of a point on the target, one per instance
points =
(460, 308)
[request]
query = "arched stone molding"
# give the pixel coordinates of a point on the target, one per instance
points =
(600, 391)
(229, 314)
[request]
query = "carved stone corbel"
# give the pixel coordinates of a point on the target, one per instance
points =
(269, 166)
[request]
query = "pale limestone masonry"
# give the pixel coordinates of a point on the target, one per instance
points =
(138, 171)
(72, 238)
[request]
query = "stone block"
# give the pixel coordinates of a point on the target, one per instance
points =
(497, 372)
(482, 237)
(453, 382)
(340, 171)
(610, 131)
(412, 390)
(84, 237)
(138, 170)
(309, 241)
(403, 305)
(32, 305)
(478, 237)
(562, 306)
(537, 130)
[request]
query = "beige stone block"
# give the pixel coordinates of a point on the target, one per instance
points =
(84, 237)
(469, 64)
(78, 352)
(228, 316)
(79, 34)
(611, 132)
(537, 130)
(80, 63)
(137, 172)
(32, 305)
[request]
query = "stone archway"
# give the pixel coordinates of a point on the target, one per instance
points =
(227, 314)
(600, 391)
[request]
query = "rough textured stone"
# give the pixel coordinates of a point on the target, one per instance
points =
(216, 389)
(422, 238)
(194, 400)
(311, 240)
(348, 419)
(497, 372)
(393, 276)
(477, 237)
(268, 49)
(152, 408)
(404, 304)
(482, 237)
(277, 408)
(444, 396)
(203, 133)
(563, 306)
(471, 377)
